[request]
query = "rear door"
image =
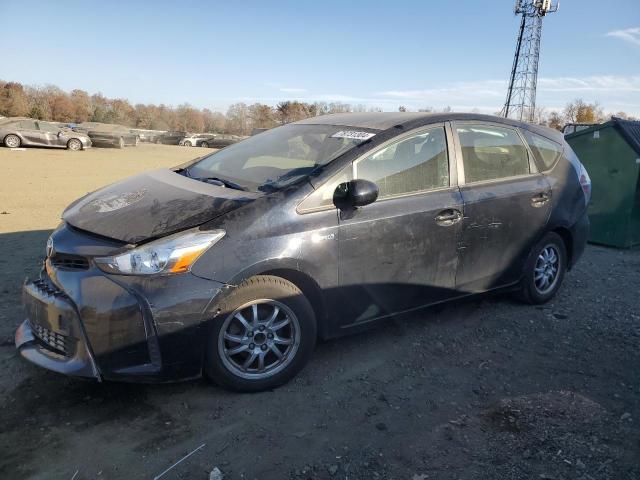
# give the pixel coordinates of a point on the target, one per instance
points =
(506, 204)
(31, 133)
(399, 252)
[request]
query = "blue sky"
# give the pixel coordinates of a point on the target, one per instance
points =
(413, 53)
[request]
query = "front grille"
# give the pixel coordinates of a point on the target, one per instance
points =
(70, 262)
(55, 341)
(47, 286)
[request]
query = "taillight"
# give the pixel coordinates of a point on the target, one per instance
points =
(585, 183)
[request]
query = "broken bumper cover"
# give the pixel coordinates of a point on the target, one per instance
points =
(52, 335)
(89, 324)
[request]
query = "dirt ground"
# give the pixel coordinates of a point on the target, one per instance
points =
(482, 389)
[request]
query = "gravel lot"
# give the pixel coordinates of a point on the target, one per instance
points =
(482, 389)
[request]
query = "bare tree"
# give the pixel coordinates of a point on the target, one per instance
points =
(238, 119)
(555, 120)
(13, 100)
(579, 111)
(262, 116)
(81, 105)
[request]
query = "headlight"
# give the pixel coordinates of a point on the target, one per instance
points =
(172, 254)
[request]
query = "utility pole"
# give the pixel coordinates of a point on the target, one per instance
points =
(521, 96)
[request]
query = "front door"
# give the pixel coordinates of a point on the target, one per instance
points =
(506, 205)
(399, 252)
(49, 134)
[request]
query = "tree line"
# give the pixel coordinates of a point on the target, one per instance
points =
(54, 104)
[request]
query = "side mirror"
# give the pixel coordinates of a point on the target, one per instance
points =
(355, 193)
(60, 133)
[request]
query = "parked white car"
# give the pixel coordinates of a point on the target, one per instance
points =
(193, 140)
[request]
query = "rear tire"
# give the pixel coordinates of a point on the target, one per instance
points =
(272, 328)
(204, 144)
(120, 143)
(12, 141)
(74, 144)
(187, 144)
(137, 142)
(544, 270)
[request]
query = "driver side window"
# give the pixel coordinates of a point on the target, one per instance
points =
(47, 127)
(414, 164)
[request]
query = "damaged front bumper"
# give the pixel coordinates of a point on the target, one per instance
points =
(52, 335)
(85, 323)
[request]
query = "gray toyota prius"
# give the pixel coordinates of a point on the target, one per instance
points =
(235, 264)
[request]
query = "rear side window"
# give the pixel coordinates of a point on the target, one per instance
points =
(546, 151)
(490, 152)
(28, 125)
(419, 162)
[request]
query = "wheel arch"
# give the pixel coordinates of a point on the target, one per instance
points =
(309, 288)
(566, 236)
(291, 271)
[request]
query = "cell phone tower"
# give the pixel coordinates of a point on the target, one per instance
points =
(521, 96)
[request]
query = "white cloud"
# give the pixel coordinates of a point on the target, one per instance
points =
(596, 83)
(284, 88)
(454, 91)
(631, 35)
(293, 90)
(613, 92)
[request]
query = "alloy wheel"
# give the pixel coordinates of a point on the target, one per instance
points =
(545, 272)
(12, 141)
(259, 339)
(74, 144)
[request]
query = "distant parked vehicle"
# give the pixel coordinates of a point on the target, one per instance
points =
(219, 140)
(171, 138)
(147, 136)
(575, 127)
(27, 132)
(192, 139)
(109, 135)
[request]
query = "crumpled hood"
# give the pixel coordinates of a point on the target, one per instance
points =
(152, 204)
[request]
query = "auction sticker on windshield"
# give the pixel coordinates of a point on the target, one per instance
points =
(353, 134)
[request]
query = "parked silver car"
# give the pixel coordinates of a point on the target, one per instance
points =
(193, 139)
(27, 132)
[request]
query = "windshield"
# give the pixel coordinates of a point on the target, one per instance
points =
(278, 157)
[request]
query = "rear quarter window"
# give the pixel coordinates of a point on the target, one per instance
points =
(547, 152)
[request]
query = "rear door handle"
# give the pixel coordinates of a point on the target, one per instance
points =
(448, 217)
(540, 199)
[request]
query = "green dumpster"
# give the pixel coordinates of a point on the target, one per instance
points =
(611, 153)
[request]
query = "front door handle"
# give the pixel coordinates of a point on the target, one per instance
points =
(540, 199)
(448, 217)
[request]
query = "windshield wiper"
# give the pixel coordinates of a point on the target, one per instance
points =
(222, 182)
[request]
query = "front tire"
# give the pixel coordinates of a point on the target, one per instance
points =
(186, 144)
(544, 271)
(12, 141)
(74, 144)
(120, 143)
(263, 335)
